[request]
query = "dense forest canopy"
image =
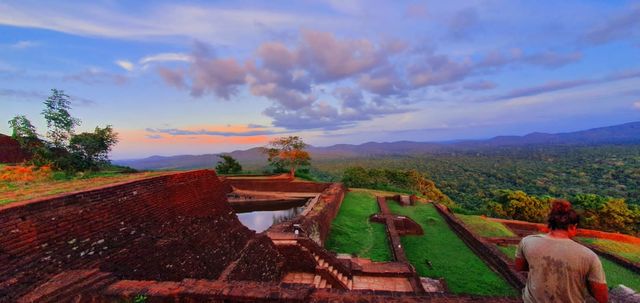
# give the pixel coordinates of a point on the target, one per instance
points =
(470, 176)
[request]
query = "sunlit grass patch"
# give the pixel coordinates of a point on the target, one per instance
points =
(628, 251)
(352, 233)
(484, 227)
(508, 250)
(58, 183)
(449, 256)
(617, 274)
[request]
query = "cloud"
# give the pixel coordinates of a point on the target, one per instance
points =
(620, 26)
(329, 58)
(566, 84)
(154, 136)
(174, 78)
(479, 85)
(416, 10)
(96, 76)
(463, 23)
(206, 73)
(163, 22)
(24, 44)
(32, 95)
(636, 105)
(165, 57)
(185, 132)
(438, 69)
(553, 59)
(384, 81)
(127, 65)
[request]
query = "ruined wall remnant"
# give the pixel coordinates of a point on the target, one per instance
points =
(276, 185)
(165, 228)
(10, 151)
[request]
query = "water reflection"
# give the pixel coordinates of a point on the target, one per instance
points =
(261, 220)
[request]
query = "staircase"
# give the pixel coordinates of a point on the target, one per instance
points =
(328, 272)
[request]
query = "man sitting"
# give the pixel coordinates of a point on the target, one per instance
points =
(560, 270)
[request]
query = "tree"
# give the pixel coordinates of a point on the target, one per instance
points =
(288, 152)
(520, 206)
(228, 165)
(59, 121)
(23, 131)
(91, 150)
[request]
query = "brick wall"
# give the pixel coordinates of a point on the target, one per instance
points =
(317, 222)
(40, 238)
(10, 151)
(277, 185)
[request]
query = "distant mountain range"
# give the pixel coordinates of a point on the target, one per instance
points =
(628, 133)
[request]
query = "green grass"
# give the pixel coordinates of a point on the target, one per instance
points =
(484, 227)
(628, 251)
(509, 250)
(450, 257)
(617, 274)
(352, 233)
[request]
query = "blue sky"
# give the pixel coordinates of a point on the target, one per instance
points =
(194, 77)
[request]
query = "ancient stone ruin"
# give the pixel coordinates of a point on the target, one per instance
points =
(177, 238)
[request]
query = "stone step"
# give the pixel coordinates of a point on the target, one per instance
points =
(323, 283)
(350, 284)
(316, 281)
(316, 257)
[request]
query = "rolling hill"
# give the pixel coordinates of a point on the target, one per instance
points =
(628, 133)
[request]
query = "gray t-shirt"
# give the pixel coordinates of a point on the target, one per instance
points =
(558, 269)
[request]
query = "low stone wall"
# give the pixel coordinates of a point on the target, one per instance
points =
(486, 251)
(277, 185)
(169, 227)
(589, 233)
(317, 222)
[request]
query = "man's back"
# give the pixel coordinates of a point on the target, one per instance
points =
(559, 269)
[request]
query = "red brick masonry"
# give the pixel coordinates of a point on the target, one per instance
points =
(164, 228)
(10, 151)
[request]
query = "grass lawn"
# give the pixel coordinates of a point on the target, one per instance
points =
(352, 233)
(509, 250)
(615, 273)
(628, 251)
(451, 258)
(484, 227)
(20, 191)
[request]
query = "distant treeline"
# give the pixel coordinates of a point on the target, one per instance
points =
(408, 181)
(470, 177)
(477, 181)
(596, 212)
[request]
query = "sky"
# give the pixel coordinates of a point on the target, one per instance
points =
(196, 77)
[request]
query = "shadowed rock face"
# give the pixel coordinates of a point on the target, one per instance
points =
(10, 151)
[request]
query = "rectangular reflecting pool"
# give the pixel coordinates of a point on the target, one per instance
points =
(263, 219)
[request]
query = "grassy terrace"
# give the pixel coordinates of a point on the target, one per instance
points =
(450, 257)
(484, 227)
(351, 231)
(628, 251)
(57, 183)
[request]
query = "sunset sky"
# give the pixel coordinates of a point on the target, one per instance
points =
(190, 77)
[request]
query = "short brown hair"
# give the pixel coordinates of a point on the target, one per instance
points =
(562, 215)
